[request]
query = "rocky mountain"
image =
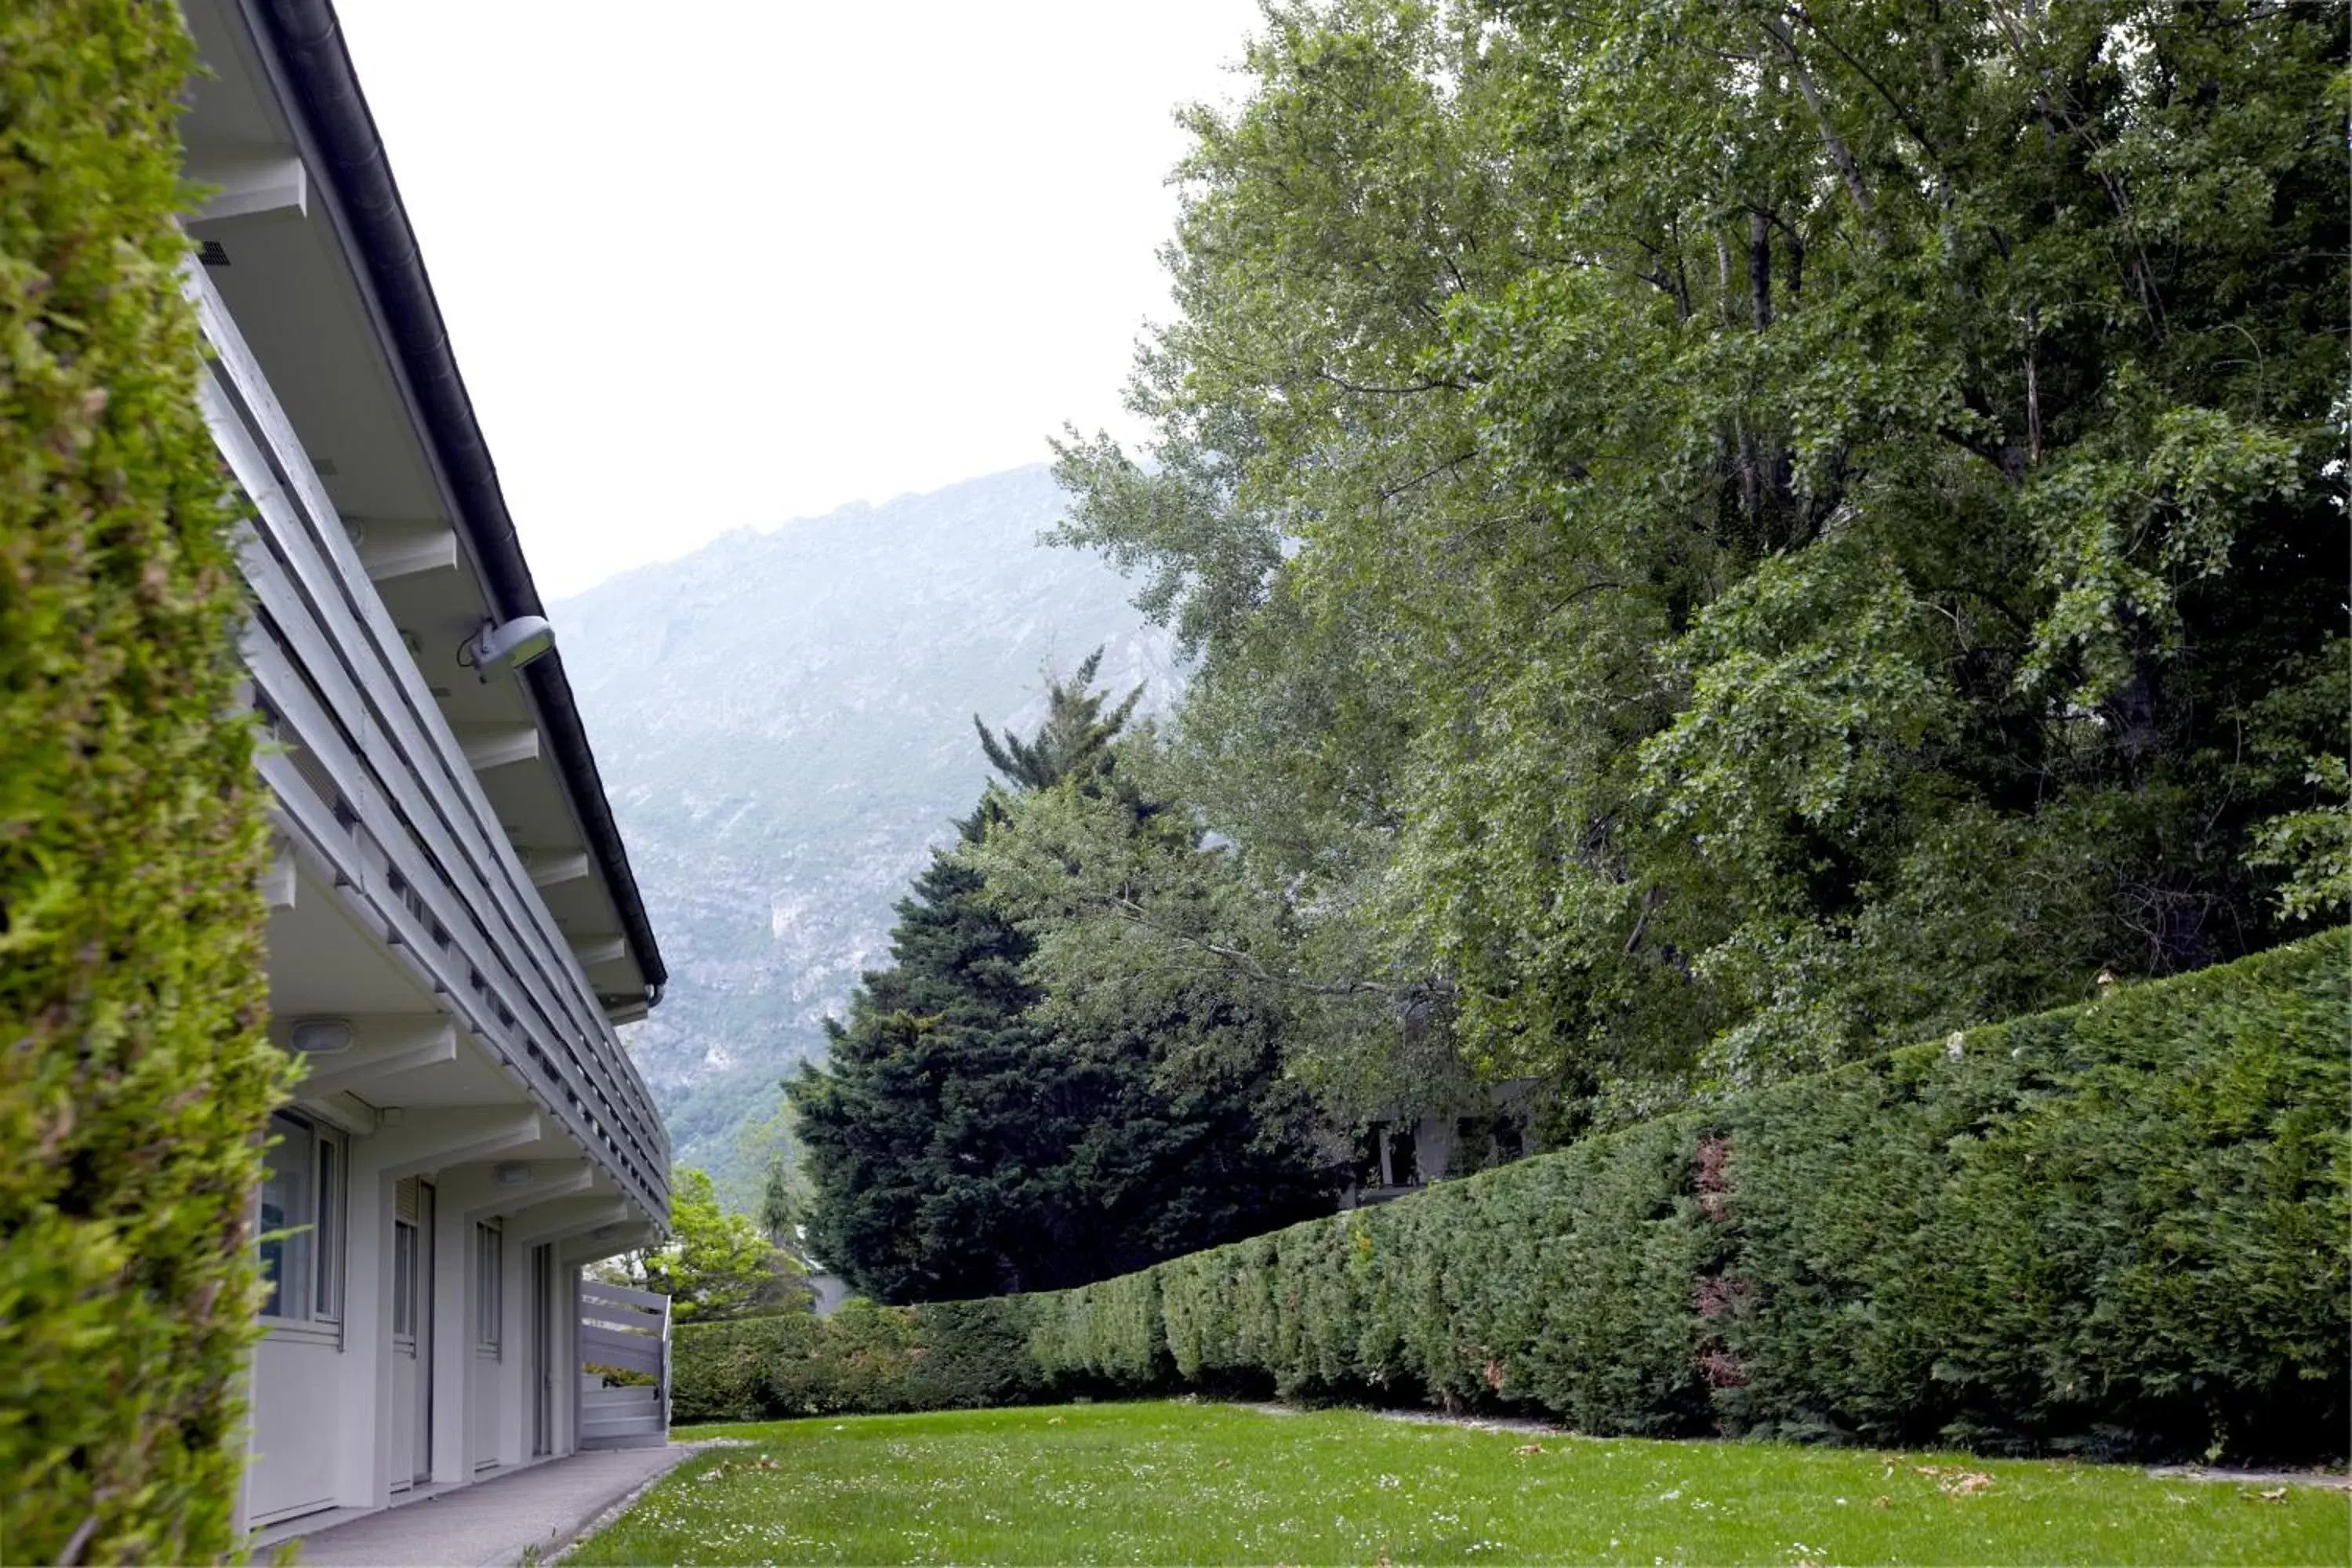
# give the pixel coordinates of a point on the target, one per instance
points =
(783, 722)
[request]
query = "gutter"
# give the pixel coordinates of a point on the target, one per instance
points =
(340, 134)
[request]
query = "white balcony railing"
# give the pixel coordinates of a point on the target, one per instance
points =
(628, 1331)
(378, 787)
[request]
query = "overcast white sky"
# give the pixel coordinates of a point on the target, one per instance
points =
(721, 263)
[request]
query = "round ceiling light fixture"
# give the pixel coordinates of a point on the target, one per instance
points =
(321, 1036)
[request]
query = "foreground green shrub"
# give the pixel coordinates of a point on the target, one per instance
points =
(2117, 1228)
(134, 1079)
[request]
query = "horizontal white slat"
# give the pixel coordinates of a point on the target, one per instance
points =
(628, 1355)
(306, 532)
(621, 1400)
(629, 1319)
(611, 1333)
(280, 684)
(287, 658)
(594, 1336)
(646, 1333)
(623, 1295)
(365, 691)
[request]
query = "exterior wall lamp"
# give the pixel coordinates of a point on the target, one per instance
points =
(510, 643)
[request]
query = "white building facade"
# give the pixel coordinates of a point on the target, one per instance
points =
(454, 928)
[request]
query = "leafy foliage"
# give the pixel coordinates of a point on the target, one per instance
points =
(136, 1082)
(715, 1263)
(2117, 1227)
(1138, 920)
(780, 1202)
(1722, 537)
(943, 1356)
(2315, 845)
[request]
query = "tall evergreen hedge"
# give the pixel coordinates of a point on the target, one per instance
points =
(135, 1077)
(2118, 1229)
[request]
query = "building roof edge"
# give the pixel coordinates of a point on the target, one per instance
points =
(307, 43)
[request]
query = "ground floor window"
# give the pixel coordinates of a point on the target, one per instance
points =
(489, 1293)
(301, 1222)
(403, 1279)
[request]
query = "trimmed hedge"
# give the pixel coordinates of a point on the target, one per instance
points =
(2117, 1228)
(864, 1359)
(135, 1081)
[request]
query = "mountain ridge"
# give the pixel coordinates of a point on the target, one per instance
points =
(783, 719)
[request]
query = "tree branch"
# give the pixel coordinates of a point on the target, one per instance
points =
(1391, 492)
(1136, 915)
(1440, 384)
(1839, 154)
(1910, 123)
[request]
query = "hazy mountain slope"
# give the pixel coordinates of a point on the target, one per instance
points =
(783, 721)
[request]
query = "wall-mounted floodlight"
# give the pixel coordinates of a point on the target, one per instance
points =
(515, 643)
(320, 1036)
(512, 1173)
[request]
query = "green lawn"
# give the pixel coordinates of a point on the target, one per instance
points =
(1179, 1482)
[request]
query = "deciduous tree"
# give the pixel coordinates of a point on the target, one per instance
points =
(1726, 535)
(716, 1263)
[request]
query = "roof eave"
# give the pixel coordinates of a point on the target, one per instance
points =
(303, 47)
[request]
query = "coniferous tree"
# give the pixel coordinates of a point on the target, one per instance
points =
(961, 1146)
(1074, 742)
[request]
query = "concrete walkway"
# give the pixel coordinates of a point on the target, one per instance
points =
(491, 1523)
